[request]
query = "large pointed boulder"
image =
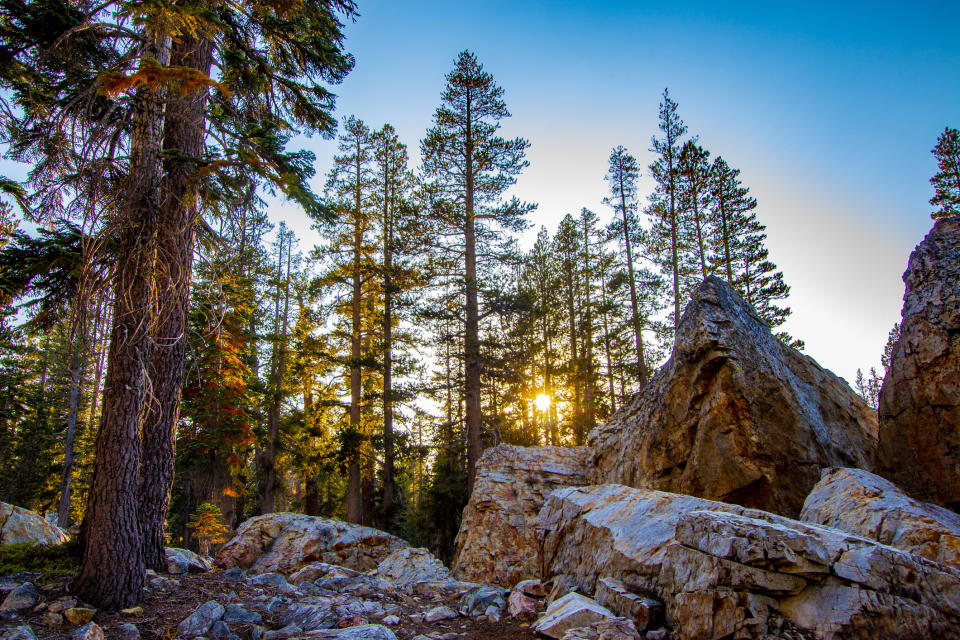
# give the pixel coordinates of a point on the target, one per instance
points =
(734, 415)
(497, 541)
(920, 399)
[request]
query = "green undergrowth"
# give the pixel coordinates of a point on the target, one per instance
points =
(49, 560)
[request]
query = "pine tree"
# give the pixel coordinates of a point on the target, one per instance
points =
(946, 182)
(668, 224)
(695, 199)
(350, 185)
(622, 175)
(473, 166)
(732, 210)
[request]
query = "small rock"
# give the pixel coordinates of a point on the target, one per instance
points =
(310, 617)
(200, 621)
(180, 561)
(614, 629)
(60, 604)
(279, 634)
(235, 574)
(128, 631)
(52, 620)
(132, 611)
(391, 620)
(492, 613)
(236, 613)
(79, 615)
(272, 580)
(658, 634)
(439, 613)
(533, 588)
(569, 612)
(362, 632)
(416, 618)
(89, 631)
(23, 632)
(476, 602)
(276, 602)
(219, 629)
(23, 597)
(521, 606)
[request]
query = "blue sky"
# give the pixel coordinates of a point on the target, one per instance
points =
(829, 109)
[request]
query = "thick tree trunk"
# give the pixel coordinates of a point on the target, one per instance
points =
(183, 133)
(111, 572)
(471, 329)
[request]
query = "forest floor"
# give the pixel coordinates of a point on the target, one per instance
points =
(171, 599)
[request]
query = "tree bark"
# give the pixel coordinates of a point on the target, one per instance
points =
(634, 305)
(111, 572)
(386, 507)
(354, 470)
(183, 134)
(279, 371)
(471, 329)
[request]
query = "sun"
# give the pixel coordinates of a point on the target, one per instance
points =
(542, 402)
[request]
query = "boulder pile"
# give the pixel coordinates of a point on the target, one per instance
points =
(735, 497)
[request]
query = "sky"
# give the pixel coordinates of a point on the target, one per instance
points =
(829, 110)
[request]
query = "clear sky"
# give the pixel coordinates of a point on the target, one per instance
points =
(829, 109)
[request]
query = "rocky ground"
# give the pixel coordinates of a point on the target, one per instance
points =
(351, 605)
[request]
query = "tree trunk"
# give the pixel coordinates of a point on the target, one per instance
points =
(606, 335)
(183, 133)
(111, 572)
(589, 391)
(386, 507)
(471, 329)
(279, 371)
(354, 470)
(77, 362)
(637, 331)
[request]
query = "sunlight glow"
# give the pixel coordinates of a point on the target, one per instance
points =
(542, 402)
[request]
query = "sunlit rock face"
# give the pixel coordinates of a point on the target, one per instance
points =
(497, 542)
(920, 399)
(286, 542)
(734, 415)
(724, 571)
(867, 505)
(19, 525)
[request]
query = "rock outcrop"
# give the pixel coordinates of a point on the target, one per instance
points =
(497, 541)
(919, 410)
(867, 505)
(728, 571)
(19, 525)
(285, 542)
(734, 415)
